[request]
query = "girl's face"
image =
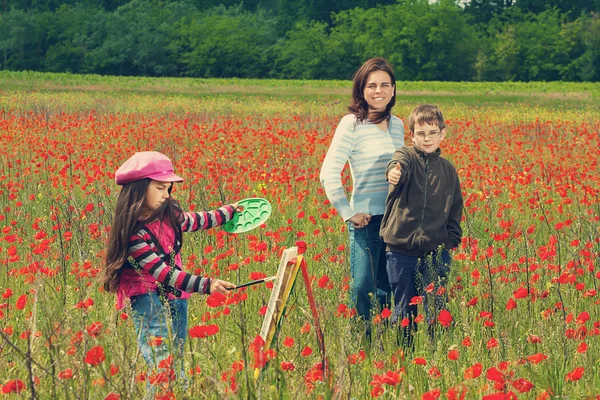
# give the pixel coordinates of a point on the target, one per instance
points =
(156, 194)
(379, 90)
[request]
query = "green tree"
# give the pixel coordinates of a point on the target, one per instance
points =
(138, 38)
(587, 67)
(73, 32)
(574, 8)
(21, 37)
(421, 40)
(224, 43)
(310, 52)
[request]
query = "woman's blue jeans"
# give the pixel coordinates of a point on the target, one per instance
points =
(152, 318)
(369, 288)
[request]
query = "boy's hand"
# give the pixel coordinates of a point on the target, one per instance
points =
(217, 285)
(395, 174)
(360, 220)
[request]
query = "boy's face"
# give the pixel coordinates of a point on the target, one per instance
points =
(427, 138)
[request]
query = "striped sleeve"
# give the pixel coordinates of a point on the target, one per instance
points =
(331, 170)
(145, 257)
(195, 221)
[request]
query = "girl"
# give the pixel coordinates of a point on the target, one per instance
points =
(143, 262)
(366, 139)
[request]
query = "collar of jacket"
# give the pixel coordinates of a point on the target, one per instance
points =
(424, 156)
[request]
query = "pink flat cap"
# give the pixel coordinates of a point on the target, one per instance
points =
(146, 164)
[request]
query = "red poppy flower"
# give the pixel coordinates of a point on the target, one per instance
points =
(536, 358)
(453, 354)
(66, 374)
(520, 293)
(420, 361)
(522, 385)
(306, 351)
(473, 302)
(493, 374)
(534, 339)
(202, 331)
(216, 300)
(575, 375)
(305, 328)
(94, 329)
(583, 317)
(287, 366)
(431, 395)
(445, 318)
(323, 281)
(95, 356)
(511, 304)
(492, 343)
(13, 386)
(21, 302)
(473, 371)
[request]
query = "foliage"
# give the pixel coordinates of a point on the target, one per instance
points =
(224, 43)
(484, 40)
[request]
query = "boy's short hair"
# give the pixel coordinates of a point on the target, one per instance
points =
(426, 114)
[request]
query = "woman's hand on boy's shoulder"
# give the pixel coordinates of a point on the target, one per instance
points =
(217, 285)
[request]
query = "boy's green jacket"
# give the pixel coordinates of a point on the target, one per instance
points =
(423, 211)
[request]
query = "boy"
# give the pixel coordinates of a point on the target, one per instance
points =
(422, 219)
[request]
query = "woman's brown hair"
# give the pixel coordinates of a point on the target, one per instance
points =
(128, 218)
(359, 106)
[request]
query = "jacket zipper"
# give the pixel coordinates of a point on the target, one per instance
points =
(425, 194)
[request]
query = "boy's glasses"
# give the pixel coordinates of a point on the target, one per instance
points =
(422, 135)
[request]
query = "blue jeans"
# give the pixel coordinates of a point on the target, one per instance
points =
(410, 276)
(151, 318)
(370, 288)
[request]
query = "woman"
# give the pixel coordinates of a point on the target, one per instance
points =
(366, 139)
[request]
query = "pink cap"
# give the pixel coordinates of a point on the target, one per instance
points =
(146, 164)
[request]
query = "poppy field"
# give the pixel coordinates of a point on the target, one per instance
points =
(523, 317)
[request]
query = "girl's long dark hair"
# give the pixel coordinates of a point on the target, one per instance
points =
(127, 220)
(359, 106)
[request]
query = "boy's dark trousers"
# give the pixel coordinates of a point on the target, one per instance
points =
(410, 277)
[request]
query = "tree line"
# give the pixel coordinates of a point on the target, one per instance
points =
(484, 40)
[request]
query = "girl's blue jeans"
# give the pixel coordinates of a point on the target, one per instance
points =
(369, 288)
(410, 277)
(152, 318)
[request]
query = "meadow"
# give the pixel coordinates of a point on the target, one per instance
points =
(523, 289)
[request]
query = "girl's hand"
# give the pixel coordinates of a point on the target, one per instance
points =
(236, 207)
(217, 285)
(360, 220)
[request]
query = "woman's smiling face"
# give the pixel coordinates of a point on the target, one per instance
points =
(378, 91)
